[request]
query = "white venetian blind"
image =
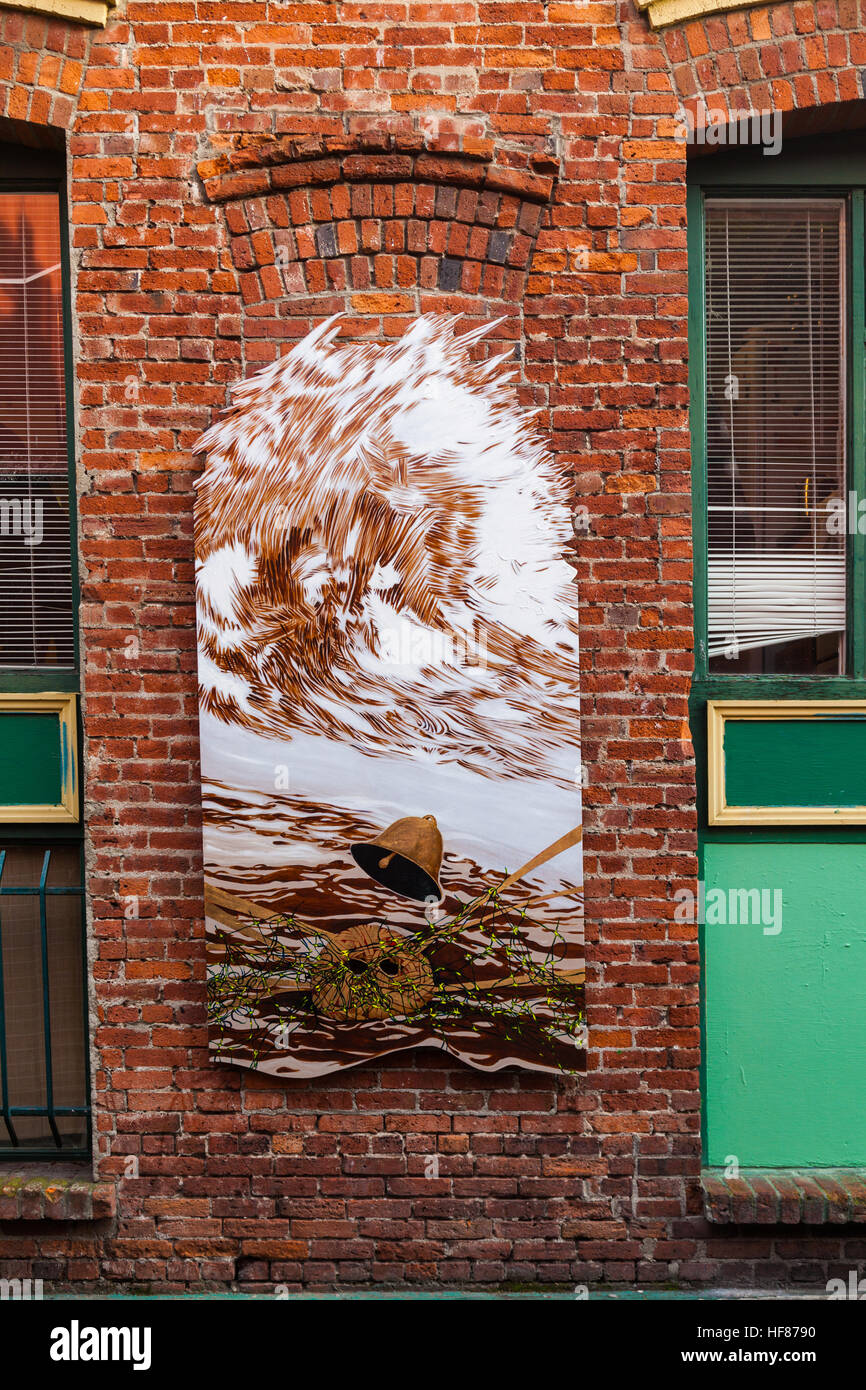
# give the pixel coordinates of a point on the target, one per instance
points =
(36, 611)
(775, 424)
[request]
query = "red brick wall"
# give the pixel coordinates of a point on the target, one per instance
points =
(532, 170)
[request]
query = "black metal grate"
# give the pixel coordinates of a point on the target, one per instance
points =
(44, 1088)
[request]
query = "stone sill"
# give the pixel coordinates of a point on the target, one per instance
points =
(785, 1196)
(92, 12)
(663, 12)
(54, 1194)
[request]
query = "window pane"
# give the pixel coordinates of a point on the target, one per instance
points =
(36, 626)
(23, 1051)
(775, 308)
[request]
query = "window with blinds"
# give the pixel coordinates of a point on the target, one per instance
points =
(36, 590)
(775, 424)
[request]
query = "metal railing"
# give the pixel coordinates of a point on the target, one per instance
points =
(49, 1111)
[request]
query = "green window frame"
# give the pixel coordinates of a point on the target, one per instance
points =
(42, 863)
(40, 171)
(803, 175)
(811, 169)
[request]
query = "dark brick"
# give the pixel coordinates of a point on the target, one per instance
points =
(499, 246)
(450, 271)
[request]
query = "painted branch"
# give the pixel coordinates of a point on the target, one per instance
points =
(569, 977)
(229, 909)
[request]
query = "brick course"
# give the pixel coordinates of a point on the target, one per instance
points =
(406, 155)
(770, 1197)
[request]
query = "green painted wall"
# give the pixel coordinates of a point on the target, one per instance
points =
(796, 762)
(785, 1014)
(30, 760)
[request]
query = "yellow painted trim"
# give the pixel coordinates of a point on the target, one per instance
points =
(93, 12)
(718, 810)
(65, 706)
(662, 12)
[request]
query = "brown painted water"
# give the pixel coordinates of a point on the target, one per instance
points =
(264, 1016)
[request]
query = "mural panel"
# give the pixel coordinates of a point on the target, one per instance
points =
(389, 695)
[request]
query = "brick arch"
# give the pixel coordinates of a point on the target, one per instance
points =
(42, 68)
(805, 53)
(378, 232)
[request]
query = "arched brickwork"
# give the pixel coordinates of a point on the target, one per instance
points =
(42, 71)
(785, 57)
(377, 231)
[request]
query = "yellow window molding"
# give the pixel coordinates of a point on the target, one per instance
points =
(56, 750)
(768, 753)
(93, 12)
(662, 12)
